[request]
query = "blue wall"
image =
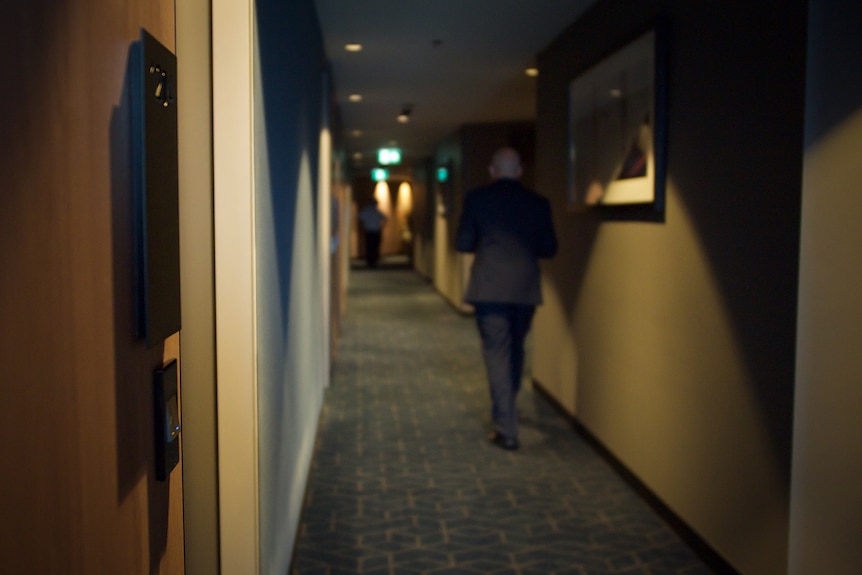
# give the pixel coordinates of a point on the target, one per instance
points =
(289, 72)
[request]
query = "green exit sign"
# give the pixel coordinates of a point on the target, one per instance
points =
(379, 174)
(388, 156)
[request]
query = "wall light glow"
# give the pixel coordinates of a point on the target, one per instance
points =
(381, 194)
(405, 199)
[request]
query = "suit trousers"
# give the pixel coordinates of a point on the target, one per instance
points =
(372, 248)
(503, 328)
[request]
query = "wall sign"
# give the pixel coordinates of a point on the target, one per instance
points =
(156, 173)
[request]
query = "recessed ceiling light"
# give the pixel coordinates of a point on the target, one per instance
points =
(404, 116)
(616, 93)
(357, 155)
(355, 97)
(356, 133)
(353, 47)
(532, 72)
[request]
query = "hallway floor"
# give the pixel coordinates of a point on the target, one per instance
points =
(404, 480)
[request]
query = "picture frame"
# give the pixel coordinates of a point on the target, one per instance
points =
(617, 121)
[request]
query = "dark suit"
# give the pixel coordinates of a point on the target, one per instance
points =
(509, 228)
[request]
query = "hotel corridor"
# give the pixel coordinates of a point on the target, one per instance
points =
(404, 480)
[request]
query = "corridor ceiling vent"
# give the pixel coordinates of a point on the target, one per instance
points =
(353, 47)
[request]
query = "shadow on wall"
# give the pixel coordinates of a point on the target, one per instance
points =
(569, 272)
(292, 133)
(133, 362)
(743, 197)
(289, 83)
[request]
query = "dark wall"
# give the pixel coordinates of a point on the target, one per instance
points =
(467, 154)
(480, 141)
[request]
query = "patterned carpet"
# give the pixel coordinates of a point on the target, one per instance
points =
(404, 480)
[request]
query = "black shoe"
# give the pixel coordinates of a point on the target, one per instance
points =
(503, 442)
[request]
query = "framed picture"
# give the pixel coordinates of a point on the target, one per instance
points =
(617, 127)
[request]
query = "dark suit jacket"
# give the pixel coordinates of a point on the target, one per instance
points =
(509, 228)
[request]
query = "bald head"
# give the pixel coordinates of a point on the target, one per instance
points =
(506, 163)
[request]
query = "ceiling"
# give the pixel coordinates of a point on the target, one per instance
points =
(451, 62)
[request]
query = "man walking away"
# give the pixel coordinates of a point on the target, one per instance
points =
(372, 220)
(509, 228)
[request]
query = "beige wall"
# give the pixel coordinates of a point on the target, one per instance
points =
(340, 260)
(79, 493)
(200, 478)
(271, 293)
(422, 221)
(673, 342)
(448, 274)
(827, 463)
(236, 400)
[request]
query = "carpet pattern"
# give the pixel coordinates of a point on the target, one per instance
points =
(404, 481)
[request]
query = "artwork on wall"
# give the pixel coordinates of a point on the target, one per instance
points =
(617, 127)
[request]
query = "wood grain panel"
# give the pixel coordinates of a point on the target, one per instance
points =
(76, 426)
